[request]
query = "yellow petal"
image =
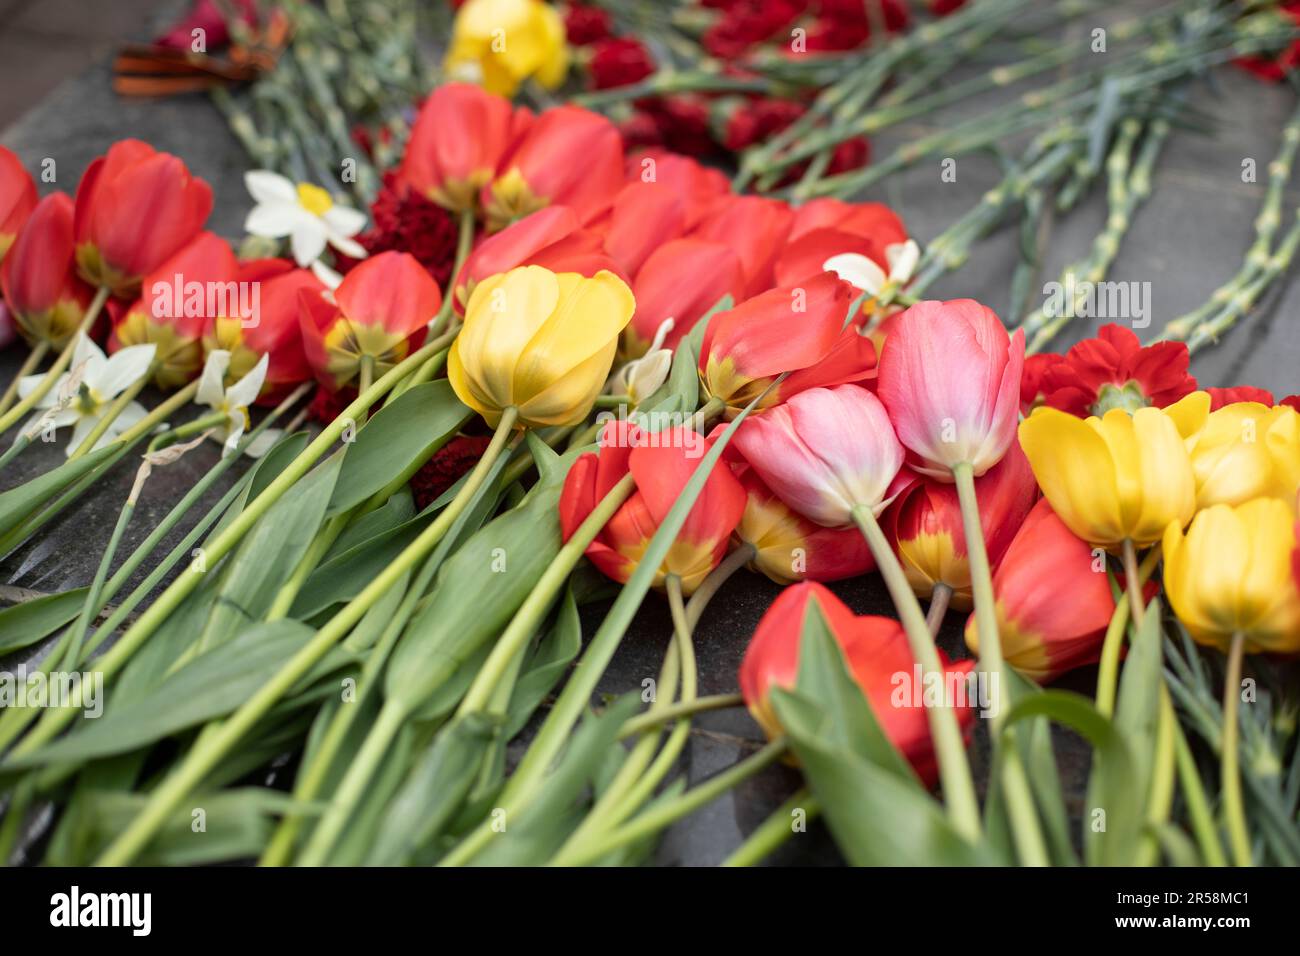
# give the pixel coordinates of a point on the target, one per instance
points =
(1189, 413)
(586, 322)
(1168, 489)
(570, 397)
(502, 316)
(1074, 468)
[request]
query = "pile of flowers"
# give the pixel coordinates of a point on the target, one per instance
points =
(552, 353)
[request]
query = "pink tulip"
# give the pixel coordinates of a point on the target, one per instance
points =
(825, 452)
(950, 378)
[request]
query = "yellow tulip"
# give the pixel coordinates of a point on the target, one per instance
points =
(1232, 573)
(1246, 450)
(539, 341)
(500, 43)
(1117, 477)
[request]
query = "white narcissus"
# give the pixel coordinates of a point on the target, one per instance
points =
(641, 378)
(233, 401)
(307, 214)
(82, 395)
(864, 275)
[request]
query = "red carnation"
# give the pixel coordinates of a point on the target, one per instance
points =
(746, 23)
(757, 120)
(1239, 393)
(584, 25)
(1115, 370)
(445, 468)
(619, 61)
(405, 221)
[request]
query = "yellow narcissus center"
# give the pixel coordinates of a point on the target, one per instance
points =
(314, 199)
(346, 344)
(228, 334)
(511, 198)
(177, 359)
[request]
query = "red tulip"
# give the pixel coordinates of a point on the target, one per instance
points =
(756, 228)
(788, 547)
(644, 217)
(569, 156)
(39, 276)
(826, 452)
(681, 280)
(17, 198)
(703, 189)
(661, 463)
(381, 311)
(178, 302)
(878, 658)
(1053, 597)
(926, 528)
(824, 228)
(798, 329)
(136, 207)
(457, 143)
(551, 237)
(273, 332)
(950, 378)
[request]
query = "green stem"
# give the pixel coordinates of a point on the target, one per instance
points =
(393, 714)
(940, 597)
(669, 812)
(115, 408)
(1161, 798)
(1233, 809)
(160, 413)
(650, 721)
(981, 578)
(774, 831)
(464, 243)
(1108, 666)
(538, 603)
(954, 771)
(1133, 581)
(34, 359)
(11, 417)
(1198, 807)
(225, 542)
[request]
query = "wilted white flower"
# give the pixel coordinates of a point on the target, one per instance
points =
(233, 402)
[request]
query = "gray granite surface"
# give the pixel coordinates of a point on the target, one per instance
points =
(1187, 239)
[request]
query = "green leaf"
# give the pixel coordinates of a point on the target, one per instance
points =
(1137, 705)
(32, 621)
(397, 441)
(1116, 810)
(877, 816)
(236, 825)
(547, 665)
(432, 793)
(534, 833)
(17, 504)
(212, 685)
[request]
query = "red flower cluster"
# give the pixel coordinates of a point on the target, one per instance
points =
(1114, 370)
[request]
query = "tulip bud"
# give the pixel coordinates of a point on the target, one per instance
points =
(1246, 450)
(1232, 572)
(1053, 599)
(178, 302)
(17, 198)
(539, 341)
(661, 463)
(643, 218)
(501, 43)
(136, 207)
(39, 277)
(457, 143)
(1117, 477)
(788, 547)
(825, 452)
(798, 329)
(570, 157)
(382, 311)
(950, 377)
(878, 658)
(925, 525)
